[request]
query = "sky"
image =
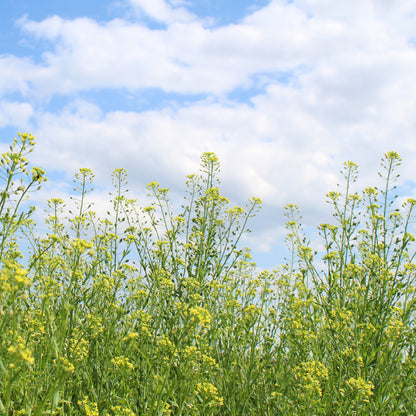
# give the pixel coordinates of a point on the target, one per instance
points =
(282, 91)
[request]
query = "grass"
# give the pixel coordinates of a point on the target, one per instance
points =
(158, 311)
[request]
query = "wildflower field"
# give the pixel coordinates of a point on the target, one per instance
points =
(158, 310)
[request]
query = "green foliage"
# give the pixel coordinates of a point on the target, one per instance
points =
(157, 310)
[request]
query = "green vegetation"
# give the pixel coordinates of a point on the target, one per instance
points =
(157, 311)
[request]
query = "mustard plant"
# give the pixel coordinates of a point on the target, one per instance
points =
(347, 333)
(158, 310)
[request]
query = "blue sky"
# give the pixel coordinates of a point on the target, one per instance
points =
(283, 92)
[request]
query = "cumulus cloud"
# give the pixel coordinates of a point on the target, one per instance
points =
(162, 10)
(15, 114)
(185, 57)
(15, 74)
(189, 58)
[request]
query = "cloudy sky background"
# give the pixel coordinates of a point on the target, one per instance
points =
(282, 91)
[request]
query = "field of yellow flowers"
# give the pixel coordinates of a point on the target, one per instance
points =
(159, 311)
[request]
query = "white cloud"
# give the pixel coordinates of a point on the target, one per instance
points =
(15, 74)
(15, 114)
(50, 28)
(187, 57)
(162, 11)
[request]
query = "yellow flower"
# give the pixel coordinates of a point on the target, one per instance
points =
(90, 409)
(200, 316)
(122, 362)
(209, 393)
(23, 352)
(311, 374)
(362, 387)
